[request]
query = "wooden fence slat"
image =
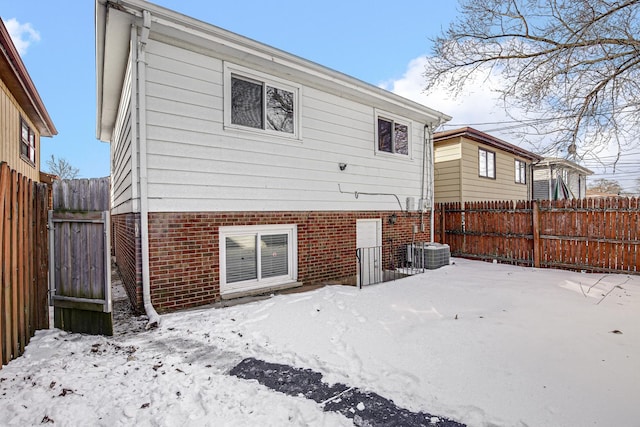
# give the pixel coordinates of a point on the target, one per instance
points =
(29, 254)
(21, 266)
(19, 256)
(535, 212)
(4, 254)
(14, 263)
(591, 234)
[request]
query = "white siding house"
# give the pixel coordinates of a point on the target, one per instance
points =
(239, 168)
(558, 179)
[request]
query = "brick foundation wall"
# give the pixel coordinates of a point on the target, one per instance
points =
(126, 249)
(184, 252)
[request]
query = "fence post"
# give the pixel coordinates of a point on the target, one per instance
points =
(535, 214)
(443, 232)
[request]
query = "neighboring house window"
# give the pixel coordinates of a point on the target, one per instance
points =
(27, 142)
(392, 135)
(260, 102)
(521, 172)
(486, 163)
(254, 256)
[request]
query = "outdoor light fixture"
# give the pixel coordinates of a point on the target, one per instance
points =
(342, 166)
(392, 219)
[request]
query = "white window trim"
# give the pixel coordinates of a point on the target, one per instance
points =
(290, 229)
(30, 157)
(486, 175)
(396, 119)
(520, 179)
(229, 69)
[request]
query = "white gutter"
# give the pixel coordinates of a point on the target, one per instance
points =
(152, 314)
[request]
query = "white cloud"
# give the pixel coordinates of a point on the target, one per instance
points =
(477, 106)
(22, 35)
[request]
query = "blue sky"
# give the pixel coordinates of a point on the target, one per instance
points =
(371, 40)
(382, 43)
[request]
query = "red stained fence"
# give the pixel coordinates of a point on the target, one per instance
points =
(23, 261)
(600, 235)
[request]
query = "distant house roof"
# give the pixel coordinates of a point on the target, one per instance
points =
(564, 163)
(485, 138)
(14, 74)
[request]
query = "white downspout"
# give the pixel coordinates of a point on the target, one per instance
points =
(152, 314)
(432, 193)
(423, 195)
(429, 173)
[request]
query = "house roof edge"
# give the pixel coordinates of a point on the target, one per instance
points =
(485, 138)
(177, 21)
(15, 73)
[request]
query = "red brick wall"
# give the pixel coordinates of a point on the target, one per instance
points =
(125, 246)
(184, 257)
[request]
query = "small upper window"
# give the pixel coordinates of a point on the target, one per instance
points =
(486, 163)
(27, 142)
(257, 102)
(393, 137)
(521, 172)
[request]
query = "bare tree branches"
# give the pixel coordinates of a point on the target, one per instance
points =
(62, 168)
(572, 64)
(606, 186)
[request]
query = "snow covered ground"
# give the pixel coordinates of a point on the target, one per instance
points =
(483, 344)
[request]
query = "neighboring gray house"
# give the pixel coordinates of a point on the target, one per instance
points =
(238, 168)
(558, 179)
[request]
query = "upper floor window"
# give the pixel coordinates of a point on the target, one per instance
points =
(521, 172)
(486, 163)
(259, 102)
(27, 142)
(392, 135)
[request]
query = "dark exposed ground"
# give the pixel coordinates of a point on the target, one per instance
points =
(125, 319)
(365, 408)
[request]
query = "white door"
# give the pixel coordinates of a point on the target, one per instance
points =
(369, 245)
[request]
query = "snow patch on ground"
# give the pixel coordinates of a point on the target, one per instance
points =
(483, 344)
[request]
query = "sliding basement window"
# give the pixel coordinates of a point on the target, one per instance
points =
(254, 257)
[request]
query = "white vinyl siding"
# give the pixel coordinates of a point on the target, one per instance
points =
(253, 257)
(124, 167)
(196, 163)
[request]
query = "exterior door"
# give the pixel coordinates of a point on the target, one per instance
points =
(369, 247)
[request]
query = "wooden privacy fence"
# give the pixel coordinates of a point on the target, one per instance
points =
(23, 257)
(80, 267)
(600, 235)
